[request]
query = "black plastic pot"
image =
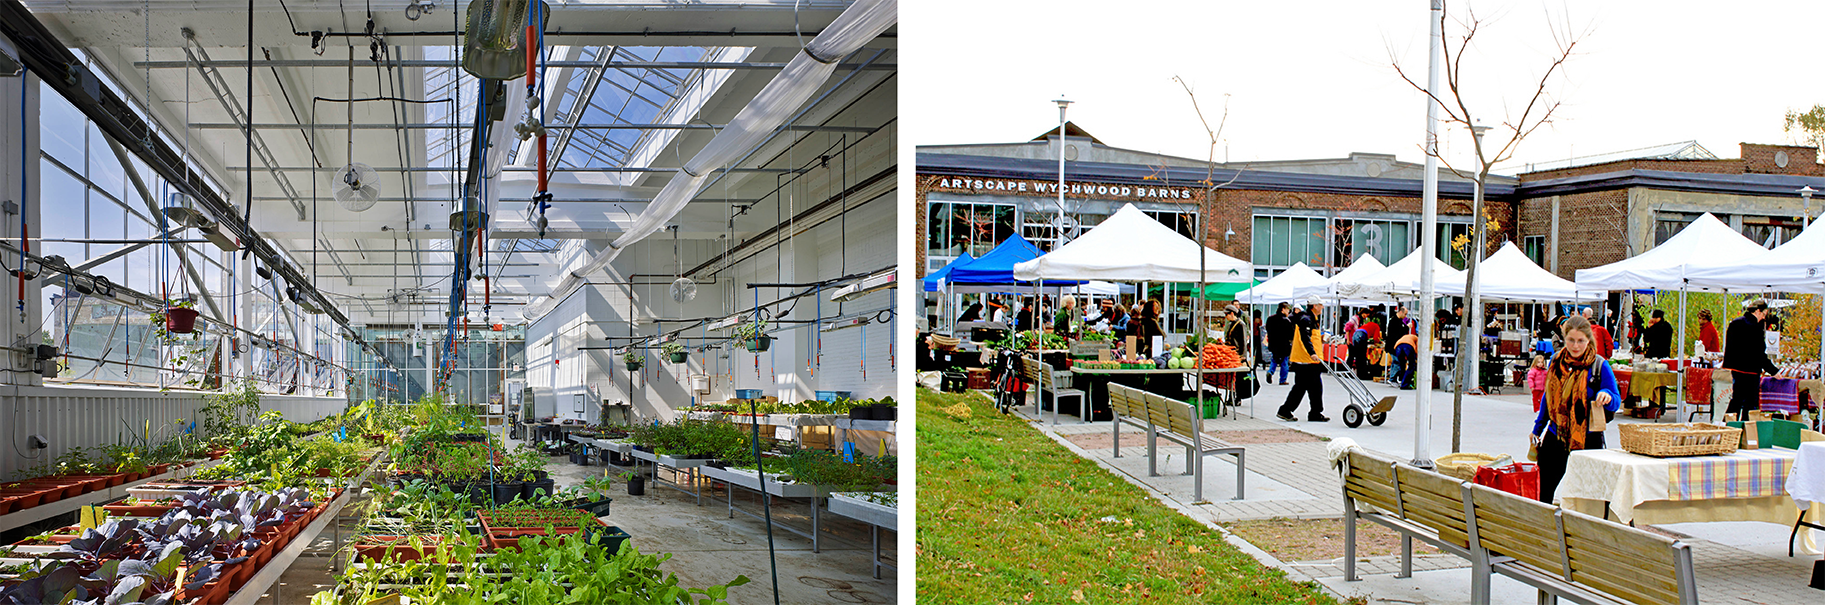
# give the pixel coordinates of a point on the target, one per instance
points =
(480, 493)
(884, 412)
(532, 489)
(861, 412)
(505, 492)
(469, 437)
(598, 508)
(636, 486)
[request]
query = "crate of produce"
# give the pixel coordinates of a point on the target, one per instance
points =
(1684, 439)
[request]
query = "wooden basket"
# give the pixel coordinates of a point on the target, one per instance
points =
(1669, 440)
(1463, 465)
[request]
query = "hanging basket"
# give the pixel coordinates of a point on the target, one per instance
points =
(634, 366)
(180, 320)
(681, 357)
(759, 344)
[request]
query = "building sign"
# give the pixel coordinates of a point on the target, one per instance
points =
(1042, 187)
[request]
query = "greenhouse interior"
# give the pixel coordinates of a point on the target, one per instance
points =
(388, 301)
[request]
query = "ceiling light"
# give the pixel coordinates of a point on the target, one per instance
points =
(879, 281)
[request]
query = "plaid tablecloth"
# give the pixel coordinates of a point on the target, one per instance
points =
(1741, 474)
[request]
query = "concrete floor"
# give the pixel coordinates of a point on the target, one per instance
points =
(707, 547)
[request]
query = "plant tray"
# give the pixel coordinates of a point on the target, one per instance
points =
(138, 510)
(402, 548)
(1671, 440)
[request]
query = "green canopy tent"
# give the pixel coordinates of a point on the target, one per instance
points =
(1216, 291)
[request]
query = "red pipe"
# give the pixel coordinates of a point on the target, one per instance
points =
(542, 176)
(532, 53)
(25, 247)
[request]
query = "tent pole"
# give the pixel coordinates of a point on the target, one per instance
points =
(1679, 389)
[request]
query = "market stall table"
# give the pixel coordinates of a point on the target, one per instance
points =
(1745, 485)
(1096, 383)
(1806, 484)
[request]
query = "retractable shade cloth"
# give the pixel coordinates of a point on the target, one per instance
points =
(1293, 284)
(997, 267)
(1508, 275)
(1131, 246)
(1707, 242)
(932, 281)
(1399, 281)
(1796, 266)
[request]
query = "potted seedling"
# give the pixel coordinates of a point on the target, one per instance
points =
(636, 484)
(753, 335)
(634, 359)
(178, 317)
(675, 351)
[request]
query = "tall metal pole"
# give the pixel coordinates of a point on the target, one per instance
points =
(1428, 246)
(1059, 227)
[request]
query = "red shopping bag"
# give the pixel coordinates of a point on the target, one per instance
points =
(1521, 479)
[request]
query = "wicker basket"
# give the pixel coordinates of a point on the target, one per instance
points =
(1669, 440)
(1463, 465)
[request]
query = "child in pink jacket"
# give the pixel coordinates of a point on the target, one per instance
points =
(1536, 380)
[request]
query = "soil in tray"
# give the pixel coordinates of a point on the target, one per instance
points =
(138, 510)
(401, 548)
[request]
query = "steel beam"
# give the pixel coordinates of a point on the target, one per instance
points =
(566, 127)
(230, 104)
(433, 169)
(235, 64)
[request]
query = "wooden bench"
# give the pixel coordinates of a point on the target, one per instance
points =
(1177, 421)
(1128, 406)
(1561, 553)
(1040, 374)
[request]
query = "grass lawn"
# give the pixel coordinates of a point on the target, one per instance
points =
(1006, 515)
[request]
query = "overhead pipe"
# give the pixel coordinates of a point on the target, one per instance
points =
(770, 108)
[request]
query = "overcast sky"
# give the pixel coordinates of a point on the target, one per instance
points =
(1314, 79)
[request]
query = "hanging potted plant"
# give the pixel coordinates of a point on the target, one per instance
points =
(675, 351)
(634, 359)
(753, 335)
(178, 317)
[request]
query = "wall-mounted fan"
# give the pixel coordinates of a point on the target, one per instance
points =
(356, 186)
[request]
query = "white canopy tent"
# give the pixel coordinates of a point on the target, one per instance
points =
(1796, 266)
(1131, 246)
(1291, 285)
(1399, 281)
(1706, 243)
(1100, 288)
(1364, 266)
(1509, 276)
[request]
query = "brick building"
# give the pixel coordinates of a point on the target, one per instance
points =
(1324, 212)
(1593, 213)
(1566, 215)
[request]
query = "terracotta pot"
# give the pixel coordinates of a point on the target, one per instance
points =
(401, 547)
(180, 320)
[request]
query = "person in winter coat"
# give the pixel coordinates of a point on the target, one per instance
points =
(1308, 364)
(1707, 332)
(1580, 395)
(1279, 341)
(1657, 337)
(1746, 356)
(1536, 380)
(1144, 325)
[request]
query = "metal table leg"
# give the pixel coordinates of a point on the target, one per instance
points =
(814, 519)
(874, 535)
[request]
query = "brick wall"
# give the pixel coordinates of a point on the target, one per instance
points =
(1592, 228)
(1704, 166)
(1760, 159)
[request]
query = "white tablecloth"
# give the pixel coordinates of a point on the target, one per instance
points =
(1806, 482)
(1635, 489)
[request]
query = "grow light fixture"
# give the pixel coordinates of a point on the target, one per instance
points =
(726, 322)
(873, 283)
(845, 323)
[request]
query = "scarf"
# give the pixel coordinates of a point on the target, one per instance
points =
(1568, 396)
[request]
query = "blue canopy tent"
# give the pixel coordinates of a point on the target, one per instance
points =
(931, 281)
(997, 267)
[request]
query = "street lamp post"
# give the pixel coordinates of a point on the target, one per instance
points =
(1806, 205)
(1059, 227)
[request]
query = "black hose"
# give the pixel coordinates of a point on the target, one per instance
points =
(767, 503)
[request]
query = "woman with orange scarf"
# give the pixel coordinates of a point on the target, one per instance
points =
(1580, 396)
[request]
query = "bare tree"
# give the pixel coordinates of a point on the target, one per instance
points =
(1539, 110)
(1210, 189)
